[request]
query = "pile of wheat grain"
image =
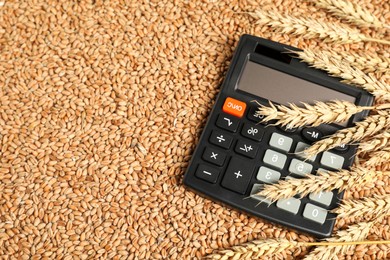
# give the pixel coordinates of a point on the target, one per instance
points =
(101, 105)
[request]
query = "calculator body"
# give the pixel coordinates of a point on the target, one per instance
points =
(237, 154)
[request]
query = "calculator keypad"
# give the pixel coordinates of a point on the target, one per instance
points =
(242, 156)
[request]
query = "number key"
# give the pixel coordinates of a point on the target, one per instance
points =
(281, 142)
(332, 160)
(275, 159)
(267, 175)
(300, 168)
(315, 213)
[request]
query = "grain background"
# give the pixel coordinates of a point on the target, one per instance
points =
(101, 106)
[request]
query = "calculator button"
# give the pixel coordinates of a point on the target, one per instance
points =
(252, 131)
(300, 168)
(247, 148)
(288, 129)
(234, 107)
(275, 159)
(237, 176)
(312, 134)
(291, 205)
(299, 151)
(228, 122)
(324, 198)
(256, 189)
(207, 173)
(253, 115)
(281, 142)
(214, 156)
(221, 139)
(341, 148)
(267, 175)
(315, 213)
(332, 160)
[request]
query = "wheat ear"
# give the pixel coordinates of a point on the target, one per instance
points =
(355, 232)
(351, 12)
(368, 127)
(311, 28)
(364, 62)
(356, 177)
(378, 158)
(377, 206)
(375, 143)
(254, 249)
(350, 75)
(321, 113)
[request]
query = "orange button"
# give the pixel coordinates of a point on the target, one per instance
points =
(234, 107)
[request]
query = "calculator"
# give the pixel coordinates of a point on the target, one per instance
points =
(237, 153)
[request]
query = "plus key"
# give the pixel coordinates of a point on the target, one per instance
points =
(238, 175)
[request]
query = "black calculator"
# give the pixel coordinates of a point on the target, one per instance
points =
(237, 153)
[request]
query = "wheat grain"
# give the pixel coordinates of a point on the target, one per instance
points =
(375, 142)
(376, 207)
(368, 127)
(356, 177)
(355, 232)
(351, 12)
(350, 75)
(321, 113)
(254, 249)
(311, 28)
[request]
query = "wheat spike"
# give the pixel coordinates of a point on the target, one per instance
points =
(254, 249)
(311, 28)
(321, 113)
(378, 207)
(351, 12)
(378, 158)
(375, 143)
(364, 62)
(355, 232)
(350, 75)
(356, 177)
(368, 127)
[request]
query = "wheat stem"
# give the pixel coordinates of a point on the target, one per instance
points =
(355, 232)
(368, 127)
(321, 113)
(356, 177)
(377, 207)
(311, 28)
(351, 12)
(350, 75)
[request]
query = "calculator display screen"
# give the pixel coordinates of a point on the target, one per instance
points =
(284, 88)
